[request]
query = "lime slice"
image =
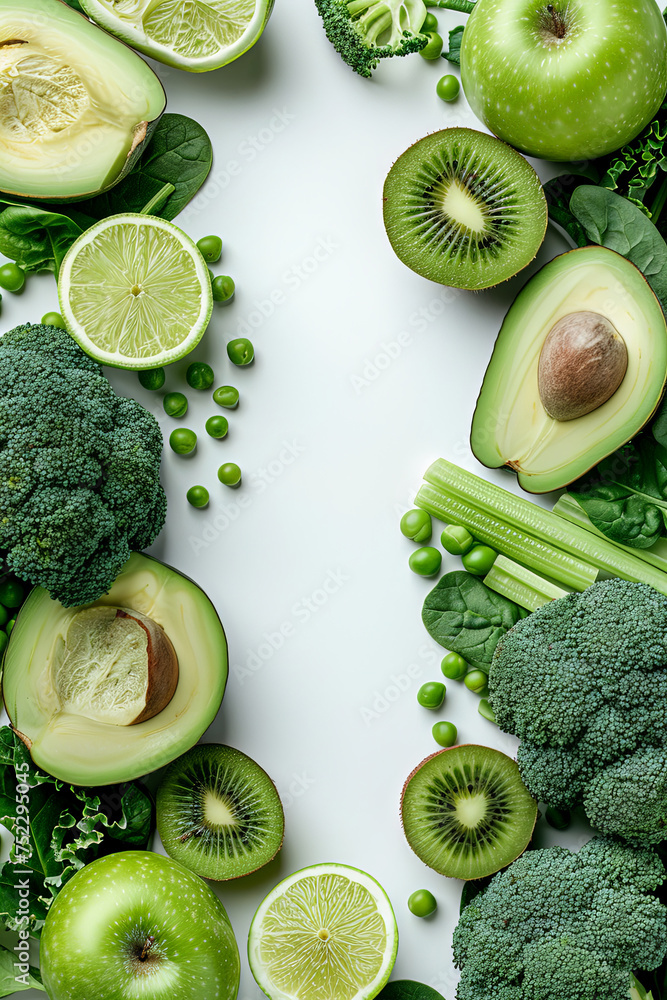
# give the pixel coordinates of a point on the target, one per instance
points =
(135, 292)
(325, 932)
(196, 35)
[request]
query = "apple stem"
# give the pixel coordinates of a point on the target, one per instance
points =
(557, 21)
(150, 941)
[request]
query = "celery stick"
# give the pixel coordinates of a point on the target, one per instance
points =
(497, 504)
(511, 541)
(568, 508)
(521, 585)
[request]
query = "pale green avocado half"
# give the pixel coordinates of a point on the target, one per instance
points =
(77, 105)
(192, 36)
(81, 750)
(510, 425)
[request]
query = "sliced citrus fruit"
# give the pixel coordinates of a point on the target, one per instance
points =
(195, 35)
(325, 932)
(135, 292)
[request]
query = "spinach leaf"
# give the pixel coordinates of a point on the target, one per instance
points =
(612, 221)
(12, 979)
(36, 238)
(408, 989)
(455, 39)
(465, 616)
(558, 192)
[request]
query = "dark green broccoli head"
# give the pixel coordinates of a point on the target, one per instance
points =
(365, 31)
(558, 924)
(79, 468)
(583, 683)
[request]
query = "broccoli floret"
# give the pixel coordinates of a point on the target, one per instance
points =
(558, 924)
(79, 468)
(583, 683)
(365, 31)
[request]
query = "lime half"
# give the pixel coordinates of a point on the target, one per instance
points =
(195, 35)
(135, 292)
(327, 932)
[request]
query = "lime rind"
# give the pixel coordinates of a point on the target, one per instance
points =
(135, 292)
(325, 931)
(194, 35)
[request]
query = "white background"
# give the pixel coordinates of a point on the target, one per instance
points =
(335, 428)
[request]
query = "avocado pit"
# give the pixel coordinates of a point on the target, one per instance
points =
(582, 363)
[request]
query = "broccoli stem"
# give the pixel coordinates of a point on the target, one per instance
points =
(527, 589)
(463, 6)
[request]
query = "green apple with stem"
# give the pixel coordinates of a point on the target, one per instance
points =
(137, 924)
(567, 80)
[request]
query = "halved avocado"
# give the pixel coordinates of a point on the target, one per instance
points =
(79, 748)
(511, 425)
(76, 105)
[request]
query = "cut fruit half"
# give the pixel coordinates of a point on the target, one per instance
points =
(219, 813)
(196, 35)
(464, 209)
(327, 931)
(466, 812)
(135, 292)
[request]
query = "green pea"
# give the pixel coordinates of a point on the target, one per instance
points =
(476, 681)
(226, 396)
(11, 593)
(444, 733)
(217, 426)
(4, 639)
(456, 540)
(448, 88)
(182, 441)
(416, 524)
(10, 625)
(197, 496)
(12, 277)
(210, 247)
(223, 288)
(4, 616)
(454, 667)
(433, 47)
(151, 378)
(431, 695)
(230, 474)
(425, 561)
(240, 352)
(53, 319)
(175, 404)
(199, 375)
(479, 559)
(430, 24)
(422, 903)
(559, 819)
(485, 710)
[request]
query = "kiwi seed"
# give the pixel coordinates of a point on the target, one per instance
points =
(219, 813)
(466, 812)
(463, 208)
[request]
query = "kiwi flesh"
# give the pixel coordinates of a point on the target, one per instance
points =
(466, 812)
(218, 812)
(464, 209)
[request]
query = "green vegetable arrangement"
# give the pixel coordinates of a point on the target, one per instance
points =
(80, 484)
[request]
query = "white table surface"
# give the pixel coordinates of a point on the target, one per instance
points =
(365, 372)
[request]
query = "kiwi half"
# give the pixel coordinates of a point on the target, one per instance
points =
(464, 209)
(219, 813)
(466, 812)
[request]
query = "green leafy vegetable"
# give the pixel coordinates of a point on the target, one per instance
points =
(465, 616)
(13, 979)
(57, 829)
(455, 39)
(613, 222)
(558, 192)
(634, 170)
(408, 989)
(36, 238)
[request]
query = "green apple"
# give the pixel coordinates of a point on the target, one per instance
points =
(137, 924)
(568, 80)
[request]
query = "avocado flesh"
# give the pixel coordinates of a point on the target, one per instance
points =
(76, 105)
(510, 425)
(83, 751)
